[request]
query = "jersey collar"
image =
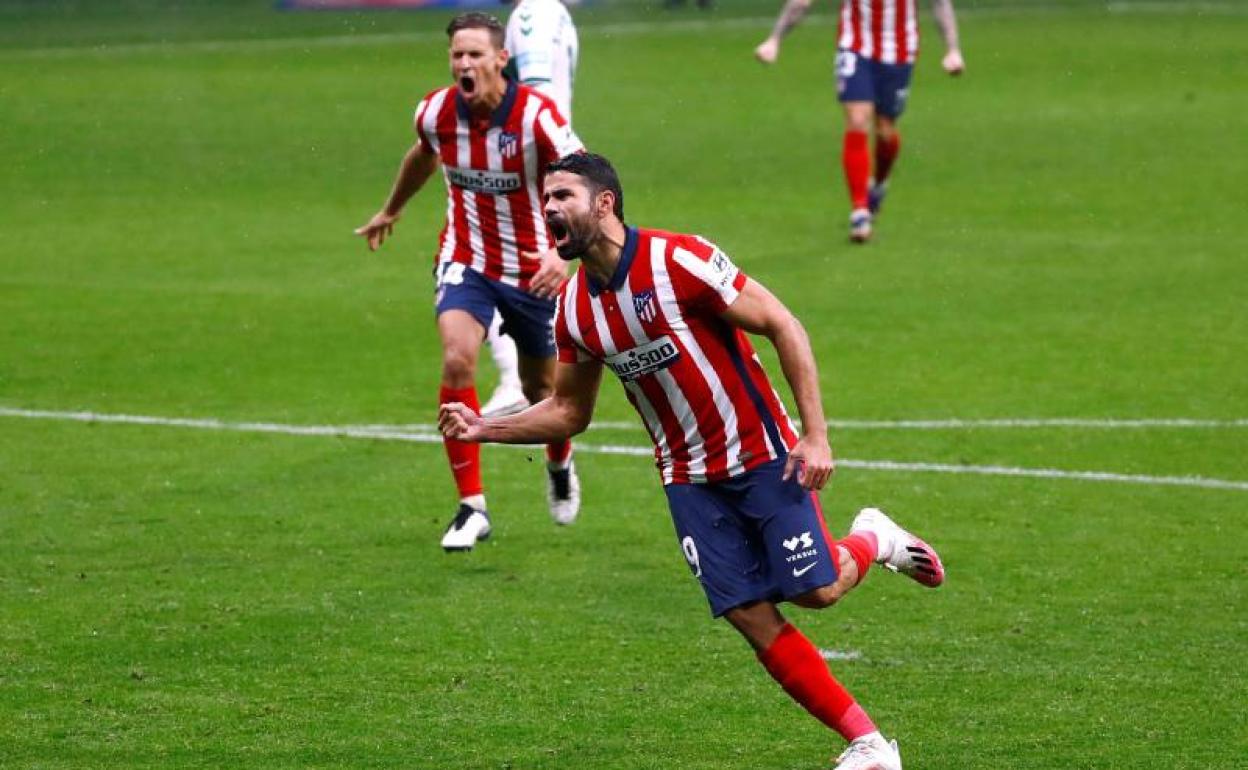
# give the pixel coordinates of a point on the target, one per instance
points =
(498, 118)
(621, 269)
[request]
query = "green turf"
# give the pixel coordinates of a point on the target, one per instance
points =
(1064, 238)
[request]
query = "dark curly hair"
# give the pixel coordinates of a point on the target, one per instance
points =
(598, 174)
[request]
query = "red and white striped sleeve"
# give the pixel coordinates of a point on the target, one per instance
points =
(422, 120)
(703, 275)
(555, 137)
(566, 349)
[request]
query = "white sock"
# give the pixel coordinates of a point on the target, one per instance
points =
(475, 502)
(503, 351)
(884, 542)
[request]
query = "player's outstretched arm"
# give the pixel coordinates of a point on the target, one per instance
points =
(758, 311)
(417, 166)
(948, 24)
(790, 16)
(563, 415)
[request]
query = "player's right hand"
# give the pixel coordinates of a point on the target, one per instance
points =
(767, 51)
(457, 421)
(953, 63)
(377, 229)
(550, 275)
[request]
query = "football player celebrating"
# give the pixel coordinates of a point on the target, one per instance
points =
(877, 42)
(542, 47)
(491, 137)
(670, 315)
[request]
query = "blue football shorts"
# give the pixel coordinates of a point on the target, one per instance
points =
(859, 79)
(753, 537)
(528, 319)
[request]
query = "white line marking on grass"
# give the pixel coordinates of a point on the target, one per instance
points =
(430, 437)
(609, 29)
(625, 28)
(840, 654)
(946, 424)
(1046, 473)
(1039, 422)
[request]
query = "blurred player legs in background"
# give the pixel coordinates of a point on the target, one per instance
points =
(543, 46)
(877, 43)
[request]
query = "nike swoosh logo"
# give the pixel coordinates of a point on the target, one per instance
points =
(460, 466)
(799, 572)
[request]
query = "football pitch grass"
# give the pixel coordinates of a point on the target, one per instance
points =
(1065, 238)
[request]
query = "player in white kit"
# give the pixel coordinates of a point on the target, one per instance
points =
(541, 39)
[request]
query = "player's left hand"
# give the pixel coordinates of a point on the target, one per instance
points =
(549, 278)
(811, 459)
(953, 63)
(457, 421)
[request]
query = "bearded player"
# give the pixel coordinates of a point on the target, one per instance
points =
(492, 138)
(877, 43)
(669, 315)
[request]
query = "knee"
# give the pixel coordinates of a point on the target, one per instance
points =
(862, 126)
(862, 120)
(458, 367)
(536, 391)
(537, 383)
(820, 598)
(886, 130)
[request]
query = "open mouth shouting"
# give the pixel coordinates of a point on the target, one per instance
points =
(558, 230)
(467, 85)
(567, 243)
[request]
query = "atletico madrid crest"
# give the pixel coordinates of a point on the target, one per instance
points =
(508, 144)
(645, 306)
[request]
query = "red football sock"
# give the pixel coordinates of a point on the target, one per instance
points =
(559, 452)
(863, 547)
(856, 158)
(464, 456)
(885, 153)
(799, 668)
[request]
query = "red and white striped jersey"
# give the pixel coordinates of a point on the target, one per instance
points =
(693, 377)
(493, 170)
(884, 30)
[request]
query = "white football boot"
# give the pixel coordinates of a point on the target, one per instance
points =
(506, 399)
(563, 493)
(860, 225)
(468, 526)
(900, 550)
(870, 752)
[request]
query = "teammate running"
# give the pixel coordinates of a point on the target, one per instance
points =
(542, 47)
(492, 138)
(668, 314)
(877, 43)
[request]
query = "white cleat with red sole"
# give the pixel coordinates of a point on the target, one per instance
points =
(900, 550)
